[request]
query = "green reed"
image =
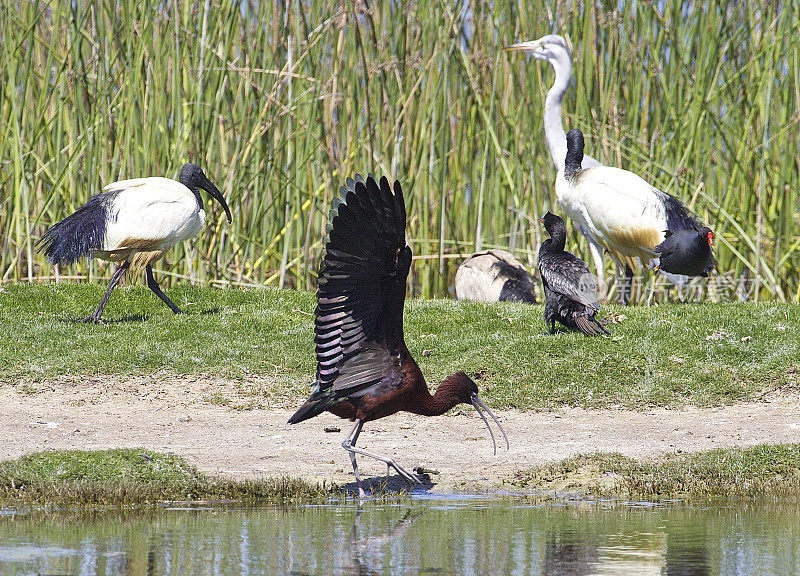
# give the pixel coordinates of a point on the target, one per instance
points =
(279, 102)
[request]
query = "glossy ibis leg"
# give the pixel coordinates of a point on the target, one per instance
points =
(351, 438)
(349, 444)
(153, 285)
(95, 318)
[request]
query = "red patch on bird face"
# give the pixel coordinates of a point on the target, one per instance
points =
(710, 236)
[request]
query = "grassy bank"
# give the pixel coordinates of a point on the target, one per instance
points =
(280, 101)
(771, 472)
(132, 476)
(662, 355)
(146, 478)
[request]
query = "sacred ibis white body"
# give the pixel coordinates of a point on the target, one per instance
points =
(627, 215)
(492, 276)
(134, 222)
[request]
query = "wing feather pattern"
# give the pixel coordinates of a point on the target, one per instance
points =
(569, 276)
(362, 286)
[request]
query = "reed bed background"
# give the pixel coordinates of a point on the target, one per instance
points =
(278, 102)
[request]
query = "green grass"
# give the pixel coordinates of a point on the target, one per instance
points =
(699, 354)
(279, 101)
(764, 471)
(132, 476)
(86, 479)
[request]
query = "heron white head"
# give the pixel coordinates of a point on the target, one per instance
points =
(553, 48)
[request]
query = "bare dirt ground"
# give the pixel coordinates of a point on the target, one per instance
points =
(183, 416)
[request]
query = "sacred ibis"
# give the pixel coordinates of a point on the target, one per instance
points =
(570, 289)
(492, 276)
(134, 222)
(627, 215)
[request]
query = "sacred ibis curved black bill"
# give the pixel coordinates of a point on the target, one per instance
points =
(492, 276)
(134, 222)
(627, 215)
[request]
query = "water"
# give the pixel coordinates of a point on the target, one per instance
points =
(458, 535)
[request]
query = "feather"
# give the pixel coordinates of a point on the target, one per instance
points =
(79, 234)
(362, 283)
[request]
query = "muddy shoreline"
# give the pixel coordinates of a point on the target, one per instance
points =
(180, 416)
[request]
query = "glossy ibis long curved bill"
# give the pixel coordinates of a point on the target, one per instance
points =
(477, 403)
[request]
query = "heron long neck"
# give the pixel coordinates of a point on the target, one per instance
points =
(553, 126)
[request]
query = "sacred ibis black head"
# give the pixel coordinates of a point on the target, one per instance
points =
(193, 177)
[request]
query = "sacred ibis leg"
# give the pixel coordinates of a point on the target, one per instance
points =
(153, 285)
(95, 318)
(349, 444)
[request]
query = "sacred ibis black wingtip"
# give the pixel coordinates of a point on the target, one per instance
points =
(79, 234)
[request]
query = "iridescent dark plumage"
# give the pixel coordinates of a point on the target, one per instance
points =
(570, 289)
(364, 369)
(687, 252)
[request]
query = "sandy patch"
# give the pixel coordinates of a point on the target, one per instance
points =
(193, 417)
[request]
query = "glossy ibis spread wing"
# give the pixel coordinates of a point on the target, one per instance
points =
(362, 286)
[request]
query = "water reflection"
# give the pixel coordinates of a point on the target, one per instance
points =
(421, 536)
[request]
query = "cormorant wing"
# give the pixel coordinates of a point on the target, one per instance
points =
(568, 275)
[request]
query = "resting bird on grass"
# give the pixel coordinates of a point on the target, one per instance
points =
(134, 222)
(687, 252)
(494, 276)
(364, 369)
(570, 289)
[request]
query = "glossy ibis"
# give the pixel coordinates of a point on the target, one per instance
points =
(492, 276)
(364, 369)
(687, 252)
(134, 222)
(570, 289)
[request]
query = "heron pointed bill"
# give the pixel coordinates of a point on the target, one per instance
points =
(529, 46)
(209, 187)
(477, 403)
